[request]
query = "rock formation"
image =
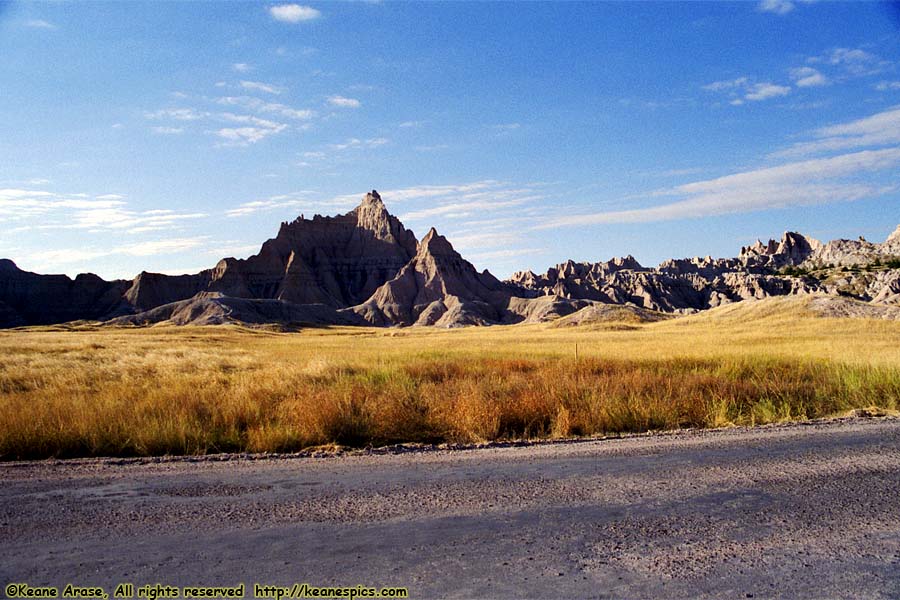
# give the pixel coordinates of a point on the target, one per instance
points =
(32, 299)
(215, 308)
(437, 287)
(337, 261)
(364, 267)
(776, 268)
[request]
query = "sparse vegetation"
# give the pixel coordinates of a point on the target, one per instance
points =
(197, 390)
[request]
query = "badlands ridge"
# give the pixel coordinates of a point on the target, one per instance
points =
(366, 268)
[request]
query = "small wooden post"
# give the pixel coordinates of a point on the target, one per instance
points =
(576, 350)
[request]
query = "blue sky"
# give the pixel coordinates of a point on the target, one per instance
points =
(164, 136)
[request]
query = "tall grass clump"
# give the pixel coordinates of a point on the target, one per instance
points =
(141, 392)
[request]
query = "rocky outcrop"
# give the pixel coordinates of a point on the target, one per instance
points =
(31, 299)
(364, 267)
(437, 287)
(337, 261)
(852, 253)
(149, 290)
(792, 250)
(215, 308)
(601, 314)
(682, 285)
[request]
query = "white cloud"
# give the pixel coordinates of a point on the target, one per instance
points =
(344, 102)
(764, 91)
(233, 249)
(178, 114)
(260, 87)
(244, 136)
(255, 129)
(485, 190)
(853, 62)
(45, 210)
(410, 124)
(507, 126)
(876, 130)
(779, 7)
(804, 183)
(358, 143)
(39, 24)
(808, 77)
(728, 84)
(884, 86)
(49, 258)
(240, 67)
(484, 238)
(843, 56)
(256, 104)
(293, 13)
(501, 255)
(165, 246)
(742, 89)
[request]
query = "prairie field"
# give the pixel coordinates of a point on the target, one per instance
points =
(77, 391)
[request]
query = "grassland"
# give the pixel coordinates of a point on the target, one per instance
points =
(67, 392)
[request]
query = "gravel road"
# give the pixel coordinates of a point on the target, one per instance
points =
(802, 511)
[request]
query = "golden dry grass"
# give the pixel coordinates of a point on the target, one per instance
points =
(166, 390)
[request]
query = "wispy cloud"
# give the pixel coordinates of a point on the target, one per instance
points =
(804, 183)
(879, 129)
(764, 91)
(779, 7)
(358, 143)
(808, 77)
(39, 24)
(240, 67)
(727, 84)
(344, 102)
(466, 201)
(743, 89)
(244, 136)
(852, 62)
(253, 128)
(261, 87)
(255, 104)
(44, 260)
(293, 13)
(47, 210)
(884, 86)
(177, 114)
(164, 246)
(441, 199)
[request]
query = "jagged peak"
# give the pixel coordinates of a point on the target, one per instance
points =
(371, 198)
(434, 244)
(894, 237)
